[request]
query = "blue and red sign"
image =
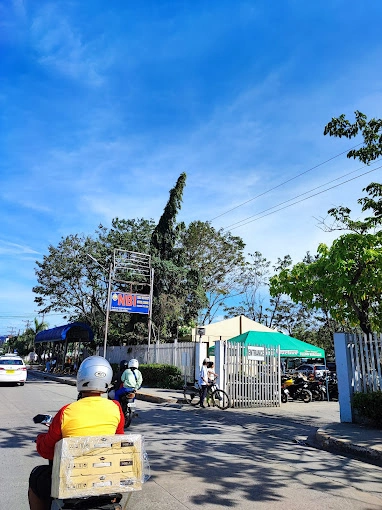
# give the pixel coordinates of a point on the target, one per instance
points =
(130, 303)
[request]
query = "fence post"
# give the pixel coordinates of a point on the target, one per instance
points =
(220, 364)
(344, 376)
(200, 354)
(175, 353)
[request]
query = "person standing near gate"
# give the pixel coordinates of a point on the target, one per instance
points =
(203, 382)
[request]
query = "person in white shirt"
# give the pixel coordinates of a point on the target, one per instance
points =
(212, 375)
(203, 382)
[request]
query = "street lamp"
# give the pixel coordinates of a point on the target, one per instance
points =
(96, 261)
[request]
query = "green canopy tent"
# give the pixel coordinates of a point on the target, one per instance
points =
(289, 347)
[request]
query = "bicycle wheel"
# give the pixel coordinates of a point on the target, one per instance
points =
(220, 399)
(192, 396)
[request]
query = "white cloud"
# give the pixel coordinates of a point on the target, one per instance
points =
(9, 248)
(62, 48)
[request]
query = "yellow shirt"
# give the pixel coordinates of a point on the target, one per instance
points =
(90, 416)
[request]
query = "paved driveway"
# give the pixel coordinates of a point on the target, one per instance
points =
(208, 459)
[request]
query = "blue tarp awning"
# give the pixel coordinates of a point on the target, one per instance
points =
(74, 332)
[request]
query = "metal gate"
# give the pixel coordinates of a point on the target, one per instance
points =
(252, 375)
(365, 353)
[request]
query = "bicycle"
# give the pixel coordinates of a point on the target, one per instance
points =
(215, 396)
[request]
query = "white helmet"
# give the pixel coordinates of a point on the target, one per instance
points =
(94, 374)
(133, 363)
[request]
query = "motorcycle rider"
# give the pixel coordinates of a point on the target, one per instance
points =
(131, 379)
(92, 415)
(116, 382)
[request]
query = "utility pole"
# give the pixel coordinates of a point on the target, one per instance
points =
(107, 309)
(27, 324)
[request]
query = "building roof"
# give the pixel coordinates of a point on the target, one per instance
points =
(228, 328)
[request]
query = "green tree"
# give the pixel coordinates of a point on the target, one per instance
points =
(131, 235)
(165, 235)
(31, 332)
(24, 343)
(345, 280)
(71, 282)
(175, 286)
(254, 277)
(17, 344)
(371, 131)
(215, 260)
(255, 303)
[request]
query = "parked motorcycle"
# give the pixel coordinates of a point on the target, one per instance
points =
(284, 394)
(299, 390)
(318, 389)
(102, 502)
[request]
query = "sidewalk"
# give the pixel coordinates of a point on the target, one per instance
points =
(344, 438)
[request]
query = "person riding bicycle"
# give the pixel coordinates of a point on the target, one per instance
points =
(131, 379)
(92, 415)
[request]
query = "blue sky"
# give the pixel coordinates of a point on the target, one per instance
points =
(104, 104)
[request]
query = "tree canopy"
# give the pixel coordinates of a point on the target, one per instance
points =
(371, 131)
(345, 279)
(195, 269)
(216, 259)
(199, 270)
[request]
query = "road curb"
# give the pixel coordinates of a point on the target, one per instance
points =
(339, 445)
(153, 398)
(52, 377)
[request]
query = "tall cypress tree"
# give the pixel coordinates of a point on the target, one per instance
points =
(165, 233)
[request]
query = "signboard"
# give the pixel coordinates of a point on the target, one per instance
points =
(130, 303)
(256, 353)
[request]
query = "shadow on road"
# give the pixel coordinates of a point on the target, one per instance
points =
(260, 458)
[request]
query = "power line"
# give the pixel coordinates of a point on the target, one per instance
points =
(285, 182)
(21, 315)
(305, 192)
(302, 200)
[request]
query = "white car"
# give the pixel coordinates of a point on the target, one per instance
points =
(12, 369)
(316, 370)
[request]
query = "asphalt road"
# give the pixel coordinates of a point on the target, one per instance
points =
(204, 458)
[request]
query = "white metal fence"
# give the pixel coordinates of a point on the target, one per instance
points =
(365, 354)
(252, 375)
(359, 368)
(180, 354)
